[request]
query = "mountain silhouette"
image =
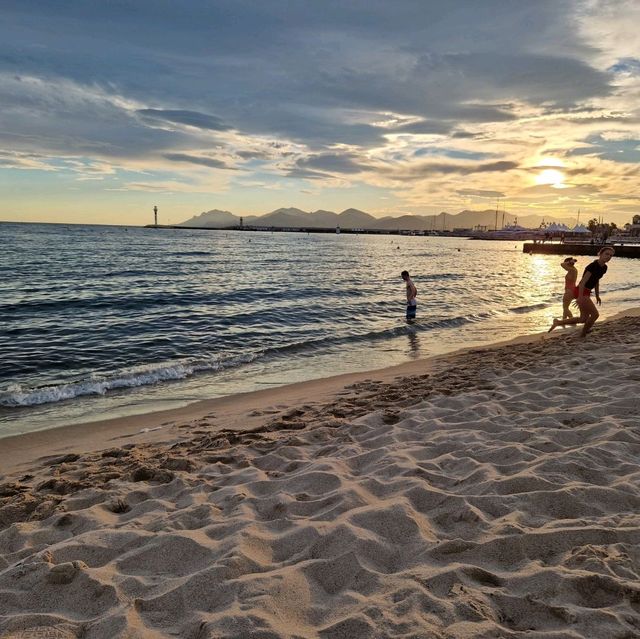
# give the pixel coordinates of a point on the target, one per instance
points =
(355, 219)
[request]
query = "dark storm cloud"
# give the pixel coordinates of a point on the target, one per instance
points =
(280, 69)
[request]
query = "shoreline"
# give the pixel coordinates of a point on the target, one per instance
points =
(233, 412)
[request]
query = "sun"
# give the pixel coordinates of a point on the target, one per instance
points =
(550, 172)
(551, 177)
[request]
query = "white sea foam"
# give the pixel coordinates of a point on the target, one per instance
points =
(15, 395)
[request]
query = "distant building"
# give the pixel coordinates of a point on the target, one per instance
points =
(634, 227)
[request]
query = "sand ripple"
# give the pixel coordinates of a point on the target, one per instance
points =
(498, 497)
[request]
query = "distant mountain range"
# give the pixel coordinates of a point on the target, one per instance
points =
(355, 219)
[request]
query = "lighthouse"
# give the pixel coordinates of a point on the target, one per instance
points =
(155, 215)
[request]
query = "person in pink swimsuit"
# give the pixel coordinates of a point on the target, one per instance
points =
(570, 281)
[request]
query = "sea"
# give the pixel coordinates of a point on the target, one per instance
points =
(109, 321)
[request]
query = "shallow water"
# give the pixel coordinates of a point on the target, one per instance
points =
(105, 321)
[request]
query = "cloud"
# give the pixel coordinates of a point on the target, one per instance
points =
(464, 135)
(630, 66)
(305, 174)
(60, 117)
(15, 160)
(456, 154)
(196, 159)
(168, 186)
(332, 163)
(425, 127)
(549, 191)
(416, 94)
(424, 170)
(480, 193)
(615, 149)
(190, 118)
(143, 186)
(288, 71)
(618, 135)
(254, 155)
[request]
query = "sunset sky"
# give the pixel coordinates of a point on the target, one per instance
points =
(392, 107)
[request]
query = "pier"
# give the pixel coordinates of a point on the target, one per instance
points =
(579, 248)
(309, 229)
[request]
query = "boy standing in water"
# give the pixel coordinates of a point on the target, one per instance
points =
(412, 291)
(570, 280)
(590, 282)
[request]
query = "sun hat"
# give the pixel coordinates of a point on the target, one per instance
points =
(570, 259)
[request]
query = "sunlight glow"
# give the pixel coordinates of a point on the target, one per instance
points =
(552, 177)
(548, 161)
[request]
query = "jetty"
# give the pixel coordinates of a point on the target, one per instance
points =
(309, 229)
(578, 248)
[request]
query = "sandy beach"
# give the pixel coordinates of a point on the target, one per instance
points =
(490, 493)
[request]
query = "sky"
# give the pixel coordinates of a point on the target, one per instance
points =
(410, 106)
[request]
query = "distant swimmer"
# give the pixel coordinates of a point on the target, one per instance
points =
(412, 291)
(570, 281)
(590, 282)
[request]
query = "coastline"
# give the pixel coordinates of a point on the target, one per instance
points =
(491, 492)
(240, 411)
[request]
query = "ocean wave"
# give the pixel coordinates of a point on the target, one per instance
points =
(188, 253)
(623, 287)
(17, 396)
(371, 336)
(530, 307)
(125, 300)
(444, 276)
